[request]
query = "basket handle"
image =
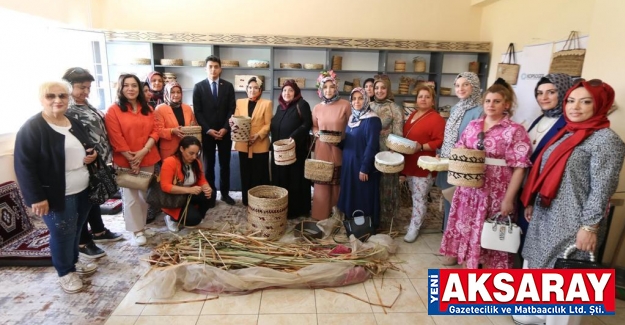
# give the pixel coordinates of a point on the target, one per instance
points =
(510, 55)
(311, 146)
(570, 250)
(572, 42)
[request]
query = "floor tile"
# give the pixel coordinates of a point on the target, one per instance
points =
(345, 319)
(618, 319)
(337, 303)
(180, 309)
(228, 320)
(288, 301)
(403, 318)
(128, 307)
(408, 301)
(288, 319)
(418, 246)
(121, 320)
(167, 320)
(461, 320)
(501, 320)
(416, 266)
(421, 285)
(233, 305)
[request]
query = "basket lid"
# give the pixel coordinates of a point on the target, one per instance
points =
(389, 158)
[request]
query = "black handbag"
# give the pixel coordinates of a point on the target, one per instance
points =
(159, 199)
(565, 262)
(360, 226)
(102, 185)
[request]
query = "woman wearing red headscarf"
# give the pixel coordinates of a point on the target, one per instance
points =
(254, 154)
(568, 189)
(293, 120)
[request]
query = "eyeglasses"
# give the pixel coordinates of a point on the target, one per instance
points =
(591, 82)
(60, 96)
(480, 141)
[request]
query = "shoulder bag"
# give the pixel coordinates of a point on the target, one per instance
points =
(102, 185)
(509, 71)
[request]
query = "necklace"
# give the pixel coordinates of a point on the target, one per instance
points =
(64, 122)
(539, 132)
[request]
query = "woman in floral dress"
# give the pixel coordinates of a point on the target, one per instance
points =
(392, 119)
(508, 146)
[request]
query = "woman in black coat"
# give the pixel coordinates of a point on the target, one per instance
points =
(293, 119)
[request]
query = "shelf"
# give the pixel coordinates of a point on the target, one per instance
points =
(410, 73)
(176, 66)
(455, 74)
(356, 71)
(301, 70)
(129, 64)
(245, 68)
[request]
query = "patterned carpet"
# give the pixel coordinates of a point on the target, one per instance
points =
(31, 295)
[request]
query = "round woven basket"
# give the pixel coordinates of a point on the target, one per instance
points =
(171, 61)
(466, 167)
(433, 164)
(389, 162)
(332, 137)
(267, 208)
(290, 65)
(198, 63)
(194, 131)
(400, 144)
(258, 63)
(313, 66)
(240, 130)
(141, 61)
(229, 63)
(318, 170)
(400, 66)
(445, 91)
(419, 66)
(284, 152)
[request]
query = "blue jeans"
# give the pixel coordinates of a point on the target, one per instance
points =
(65, 227)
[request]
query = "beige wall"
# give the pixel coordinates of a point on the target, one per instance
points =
(76, 13)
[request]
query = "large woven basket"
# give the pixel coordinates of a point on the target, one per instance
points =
(400, 66)
(318, 170)
(401, 144)
(331, 137)
(194, 131)
(419, 64)
(290, 65)
(313, 66)
(258, 63)
(229, 63)
(389, 162)
(171, 61)
(284, 152)
(141, 61)
(466, 167)
(240, 130)
(198, 63)
(267, 208)
(433, 164)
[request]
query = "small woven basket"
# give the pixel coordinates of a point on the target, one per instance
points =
(313, 66)
(194, 131)
(401, 144)
(258, 64)
(267, 211)
(419, 64)
(141, 61)
(389, 162)
(198, 63)
(445, 91)
(284, 152)
(171, 61)
(318, 170)
(348, 86)
(229, 63)
(332, 137)
(400, 66)
(433, 164)
(240, 130)
(290, 65)
(466, 167)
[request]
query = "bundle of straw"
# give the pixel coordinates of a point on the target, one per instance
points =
(235, 251)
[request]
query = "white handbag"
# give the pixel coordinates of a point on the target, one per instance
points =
(500, 235)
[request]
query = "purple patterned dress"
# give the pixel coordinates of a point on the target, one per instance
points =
(471, 206)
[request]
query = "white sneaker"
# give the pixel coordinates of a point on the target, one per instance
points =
(528, 320)
(85, 269)
(139, 239)
(71, 283)
(147, 232)
(172, 224)
(412, 234)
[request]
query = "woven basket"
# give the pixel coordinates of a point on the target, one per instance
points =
(331, 137)
(445, 91)
(466, 167)
(267, 210)
(141, 61)
(171, 61)
(570, 62)
(409, 107)
(419, 66)
(198, 63)
(318, 170)
(400, 144)
(348, 86)
(290, 65)
(301, 82)
(474, 67)
(194, 131)
(240, 130)
(400, 66)
(433, 164)
(229, 63)
(284, 152)
(258, 64)
(313, 66)
(389, 162)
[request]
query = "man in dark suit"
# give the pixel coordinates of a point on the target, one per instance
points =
(213, 104)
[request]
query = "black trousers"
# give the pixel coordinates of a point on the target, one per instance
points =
(94, 219)
(254, 172)
(224, 147)
(196, 211)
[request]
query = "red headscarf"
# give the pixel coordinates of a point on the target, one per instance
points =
(298, 94)
(546, 182)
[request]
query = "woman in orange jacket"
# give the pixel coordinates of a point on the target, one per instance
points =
(186, 169)
(254, 154)
(170, 117)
